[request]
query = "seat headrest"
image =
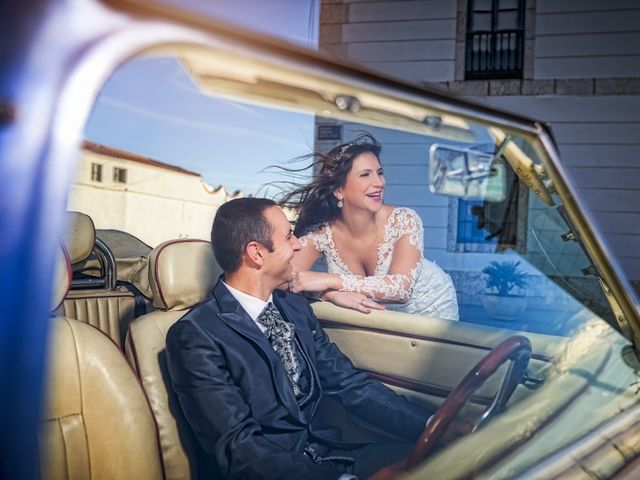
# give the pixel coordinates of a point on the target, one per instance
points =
(80, 236)
(61, 278)
(182, 273)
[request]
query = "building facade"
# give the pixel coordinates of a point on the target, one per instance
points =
(153, 201)
(574, 64)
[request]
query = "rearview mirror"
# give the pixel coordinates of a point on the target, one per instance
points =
(466, 173)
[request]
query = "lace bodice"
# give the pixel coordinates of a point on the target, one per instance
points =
(424, 288)
(402, 222)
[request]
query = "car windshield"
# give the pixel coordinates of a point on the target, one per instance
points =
(172, 137)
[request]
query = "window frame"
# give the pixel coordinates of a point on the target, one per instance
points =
(96, 172)
(453, 245)
(119, 175)
(515, 58)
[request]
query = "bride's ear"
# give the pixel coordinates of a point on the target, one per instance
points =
(338, 194)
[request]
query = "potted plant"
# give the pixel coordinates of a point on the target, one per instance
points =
(500, 300)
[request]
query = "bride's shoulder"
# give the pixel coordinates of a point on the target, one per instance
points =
(401, 213)
(318, 234)
(317, 229)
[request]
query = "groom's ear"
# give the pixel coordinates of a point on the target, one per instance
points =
(254, 254)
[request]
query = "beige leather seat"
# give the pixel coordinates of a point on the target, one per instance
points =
(181, 274)
(97, 423)
(109, 309)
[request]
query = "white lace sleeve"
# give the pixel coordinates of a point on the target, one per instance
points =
(398, 285)
(318, 238)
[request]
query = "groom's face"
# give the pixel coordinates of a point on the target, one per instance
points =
(277, 263)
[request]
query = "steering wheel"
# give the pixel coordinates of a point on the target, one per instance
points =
(518, 350)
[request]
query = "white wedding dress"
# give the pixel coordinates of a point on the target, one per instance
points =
(425, 290)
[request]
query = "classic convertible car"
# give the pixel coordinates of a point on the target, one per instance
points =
(128, 122)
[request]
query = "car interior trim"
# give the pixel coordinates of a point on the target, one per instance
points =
(332, 324)
(426, 389)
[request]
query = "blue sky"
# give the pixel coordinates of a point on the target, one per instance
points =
(294, 20)
(151, 107)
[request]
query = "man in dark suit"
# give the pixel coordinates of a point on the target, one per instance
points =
(249, 377)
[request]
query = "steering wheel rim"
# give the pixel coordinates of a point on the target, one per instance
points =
(516, 348)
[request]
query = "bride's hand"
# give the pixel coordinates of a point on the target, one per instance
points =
(314, 282)
(353, 300)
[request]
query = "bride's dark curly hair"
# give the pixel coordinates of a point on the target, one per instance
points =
(315, 201)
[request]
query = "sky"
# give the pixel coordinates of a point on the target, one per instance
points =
(294, 20)
(150, 106)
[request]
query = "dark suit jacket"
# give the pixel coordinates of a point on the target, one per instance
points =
(236, 396)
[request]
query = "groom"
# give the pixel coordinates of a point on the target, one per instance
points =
(251, 363)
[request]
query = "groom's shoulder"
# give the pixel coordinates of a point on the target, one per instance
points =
(196, 314)
(204, 306)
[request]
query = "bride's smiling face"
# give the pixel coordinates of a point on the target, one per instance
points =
(364, 185)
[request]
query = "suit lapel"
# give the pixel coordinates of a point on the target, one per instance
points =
(236, 318)
(234, 315)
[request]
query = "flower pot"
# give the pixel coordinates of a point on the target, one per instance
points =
(504, 307)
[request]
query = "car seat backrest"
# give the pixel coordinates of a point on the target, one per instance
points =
(109, 308)
(182, 273)
(96, 422)
(61, 278)
(80, 237)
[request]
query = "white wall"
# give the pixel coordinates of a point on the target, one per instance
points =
(587, 39)
(156, 204)
(410, 39)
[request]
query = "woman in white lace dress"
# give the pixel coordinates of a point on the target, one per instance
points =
(373, 251)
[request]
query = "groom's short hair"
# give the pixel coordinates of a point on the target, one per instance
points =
(237, 223)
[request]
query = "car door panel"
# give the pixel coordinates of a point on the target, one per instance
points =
(425, 357)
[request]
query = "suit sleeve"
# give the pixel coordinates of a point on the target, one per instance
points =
(220, 418)
(364, 396)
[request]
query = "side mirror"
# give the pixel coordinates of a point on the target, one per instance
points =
(466, 173)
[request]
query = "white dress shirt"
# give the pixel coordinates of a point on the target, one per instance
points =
(252, 305)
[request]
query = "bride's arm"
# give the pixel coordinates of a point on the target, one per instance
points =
(305, 280)
(325, 285)
(396, 286)
(406, 263)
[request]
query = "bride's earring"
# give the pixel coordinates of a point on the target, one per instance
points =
(340, 204)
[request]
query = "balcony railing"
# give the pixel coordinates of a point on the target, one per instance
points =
(494, 54)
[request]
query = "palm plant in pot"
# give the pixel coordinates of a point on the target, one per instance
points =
(500, 300)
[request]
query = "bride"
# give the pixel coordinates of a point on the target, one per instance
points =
(373, 251)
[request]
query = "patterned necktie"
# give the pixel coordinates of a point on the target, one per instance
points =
(281, 335)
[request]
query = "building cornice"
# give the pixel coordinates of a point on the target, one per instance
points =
(569, 86)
